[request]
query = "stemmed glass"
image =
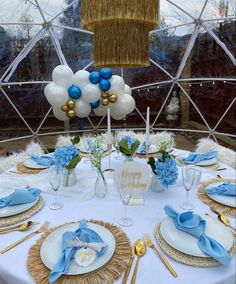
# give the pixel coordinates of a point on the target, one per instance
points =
(125, 195)
(55, 176)
(191, 176)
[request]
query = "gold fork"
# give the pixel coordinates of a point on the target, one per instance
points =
(38, 231)
(150, 244)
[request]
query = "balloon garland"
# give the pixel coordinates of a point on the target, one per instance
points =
(75, 95)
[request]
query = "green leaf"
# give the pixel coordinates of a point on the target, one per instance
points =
(125, 151)
(151, 162)
(76, 140)
(73, 163)
(134, 146)
(124, 147)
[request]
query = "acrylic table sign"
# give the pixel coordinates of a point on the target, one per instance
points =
(135, 176)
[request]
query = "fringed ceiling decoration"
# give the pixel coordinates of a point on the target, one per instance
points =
(121, 30)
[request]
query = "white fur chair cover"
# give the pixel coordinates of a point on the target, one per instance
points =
(225, 155)
(10, 161)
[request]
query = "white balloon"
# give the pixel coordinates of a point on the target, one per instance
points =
(82, 108)
(57, 96)
(117, 85)
(81, 78)
(125, 104)
(63, 76)
(117, 115)
(48, 87)
(128, 90)
(91, 93)
(59, 114)
(101, 110)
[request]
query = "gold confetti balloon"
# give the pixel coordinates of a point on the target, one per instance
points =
(64, 108)
(112, 98)
(70, 113)
(104, 95)
(105, 102)
(70, 104)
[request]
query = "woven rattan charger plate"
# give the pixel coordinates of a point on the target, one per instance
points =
(24, 170)
(108, 273)
(7, 221)
(185, 258)
(221, 208)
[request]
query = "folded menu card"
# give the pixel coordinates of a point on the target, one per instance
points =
(194, 225)
(225, 188)
(72, 243)
(198, 157)
(43, 160)
(20, 196)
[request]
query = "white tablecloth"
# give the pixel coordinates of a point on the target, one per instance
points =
(13, 269)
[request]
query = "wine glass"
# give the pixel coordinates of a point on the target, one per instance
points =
(191, 176)
(55, 176)
(125, 195)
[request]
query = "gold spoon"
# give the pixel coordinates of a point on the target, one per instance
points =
(140, 250)
(21, 227)
(223, 219)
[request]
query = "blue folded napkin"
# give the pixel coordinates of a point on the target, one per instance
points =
(194, 225)
(226, 188)
(142, 148)
(20, 196)
(43, 160)
(198, 157)
(84, 235)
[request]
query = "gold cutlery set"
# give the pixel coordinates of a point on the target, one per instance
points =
(23, 227)
(139, 249)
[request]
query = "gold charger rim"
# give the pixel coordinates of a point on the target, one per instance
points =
(223, 209)
(21, 168)
(108, 273)
(186, 258)
(14, 219)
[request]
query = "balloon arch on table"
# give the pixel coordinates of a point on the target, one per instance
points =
(114, 88)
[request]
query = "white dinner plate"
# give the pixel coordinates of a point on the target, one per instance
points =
(29, 163)
(152, 149)
(201, 163)
(15, 209)
(188, 244)
(223, 199)
(50, 251)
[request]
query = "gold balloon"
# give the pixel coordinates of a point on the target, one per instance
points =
(70, 113)
(64, 108)
(105, 95)
(105, 102)
(112, 98)
(70, 104)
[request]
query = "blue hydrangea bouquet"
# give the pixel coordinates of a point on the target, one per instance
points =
(128, 146)
(164, 167)
(68, 157)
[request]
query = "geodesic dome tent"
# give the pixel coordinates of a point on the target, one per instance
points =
(190, 85)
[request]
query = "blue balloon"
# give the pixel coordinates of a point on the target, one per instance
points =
(94, 77)
(106, 73)
(95, 104)
(74, 92)
(104, 85)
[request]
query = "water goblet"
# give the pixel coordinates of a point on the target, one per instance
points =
(191, 176)
(125, 195)
(55, 176)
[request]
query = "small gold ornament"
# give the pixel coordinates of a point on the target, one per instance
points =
(70, 113)
(64, 108)
(70, 104)
(112, 98)
(105, 102)
(105, 95)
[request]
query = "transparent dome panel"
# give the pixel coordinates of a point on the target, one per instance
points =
(219, 9)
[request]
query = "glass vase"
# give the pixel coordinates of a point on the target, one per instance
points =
(156, 185)
(69, 177)
(100, 185)
(129, 158)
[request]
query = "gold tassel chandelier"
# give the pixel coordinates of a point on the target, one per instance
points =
(121, 30)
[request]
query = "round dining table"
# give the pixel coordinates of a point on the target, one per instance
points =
(80, 203)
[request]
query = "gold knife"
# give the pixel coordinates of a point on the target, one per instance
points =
(150, 244)
(127, 271)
